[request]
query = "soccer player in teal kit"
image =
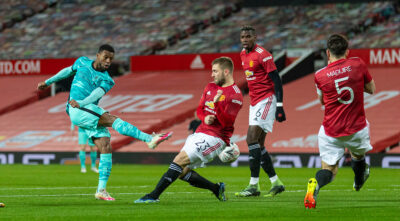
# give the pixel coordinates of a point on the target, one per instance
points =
(91, 82)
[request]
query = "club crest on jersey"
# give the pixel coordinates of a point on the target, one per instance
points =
(222, 98)
(251, 63)
(210, 104)
(249, 73)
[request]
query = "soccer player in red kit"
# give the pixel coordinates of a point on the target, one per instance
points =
(218, 108)
(340, 87)
(266, 95)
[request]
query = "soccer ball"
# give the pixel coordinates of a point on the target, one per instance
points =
(230, 153)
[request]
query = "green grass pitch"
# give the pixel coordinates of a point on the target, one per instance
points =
(60, 192)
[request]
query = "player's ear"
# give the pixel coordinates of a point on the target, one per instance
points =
(347, 53)
(328, 53)
(226, 71)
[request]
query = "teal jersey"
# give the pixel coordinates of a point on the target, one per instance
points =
(88, 79)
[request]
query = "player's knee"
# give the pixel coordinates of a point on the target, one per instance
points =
(251, 139)
(103, 144)
(82, 147)
(357, 156)
(182, 159)
(185, 171)
(106, 120)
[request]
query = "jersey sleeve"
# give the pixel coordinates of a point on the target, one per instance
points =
(267, 62)
(319, 92)
(200, 109)
(367, 75)
(106, 85)
(227, 111)
(79, 62)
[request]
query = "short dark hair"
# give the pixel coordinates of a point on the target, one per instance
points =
(248, 28)
(106, 47)
(337, 44)
(224, 63)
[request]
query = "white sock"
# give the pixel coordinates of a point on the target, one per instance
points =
(254, 180)
(273, 179)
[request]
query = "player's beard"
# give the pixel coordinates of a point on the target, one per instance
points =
(220, 82)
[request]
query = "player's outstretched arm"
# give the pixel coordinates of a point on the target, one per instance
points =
(280, 113)
(370, 87)
(94, 96)
(64, 73)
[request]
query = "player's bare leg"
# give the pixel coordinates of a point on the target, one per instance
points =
(127, 129)
(361, 170)
(105, 165)
(322, 178)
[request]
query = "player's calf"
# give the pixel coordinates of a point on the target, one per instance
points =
(358, 185)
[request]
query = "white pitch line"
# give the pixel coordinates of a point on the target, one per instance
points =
(91, 194)
(65, 187)
(120, 187)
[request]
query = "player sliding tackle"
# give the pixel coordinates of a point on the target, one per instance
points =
(340, 87)
(218, 108)
(91, 82)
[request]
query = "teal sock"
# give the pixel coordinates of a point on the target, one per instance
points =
(128, 129)
(82, 158)
(93, 158)
(104, 170)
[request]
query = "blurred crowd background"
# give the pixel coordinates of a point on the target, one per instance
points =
(72, 28)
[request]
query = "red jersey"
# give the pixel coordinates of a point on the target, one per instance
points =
(342, 85)
(226, 110)
(256, 65)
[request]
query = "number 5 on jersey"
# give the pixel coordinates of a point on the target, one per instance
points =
(340, 90)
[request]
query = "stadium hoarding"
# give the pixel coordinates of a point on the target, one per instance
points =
(178, 62)
(378, 57)
(33, 66)
(281, 160)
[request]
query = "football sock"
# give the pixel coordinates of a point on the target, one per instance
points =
(82, 158)
(128, 129)
(358, 168)
(254, 180)
(254, 159)
(196, 180)
(104, 170)
(169, 177)
(273, 179)
(266, 163)
(93, 157)
(323, 177)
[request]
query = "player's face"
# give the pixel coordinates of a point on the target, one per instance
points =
(248, 39)
(218, 75)
(104, 59)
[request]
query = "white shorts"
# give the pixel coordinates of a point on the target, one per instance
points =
(263, 114)
(202, 148)
(331, 149)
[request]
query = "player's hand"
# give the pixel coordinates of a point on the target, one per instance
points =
(217, 96)
(74, 104)
(209, 119)
(42, 85)
(280, 114)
